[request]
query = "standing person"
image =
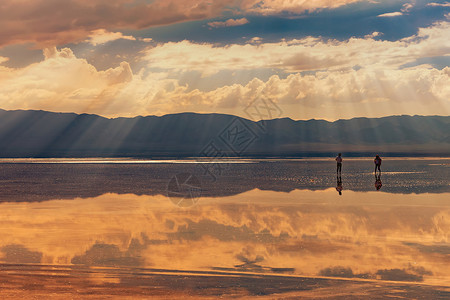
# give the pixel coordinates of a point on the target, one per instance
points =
(377, 162)
(339, 164)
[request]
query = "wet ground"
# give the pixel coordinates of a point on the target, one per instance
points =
(244, 228)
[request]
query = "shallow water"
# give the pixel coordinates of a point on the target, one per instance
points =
(268, 217)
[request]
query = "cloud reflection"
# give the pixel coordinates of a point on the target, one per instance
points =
(365, 235)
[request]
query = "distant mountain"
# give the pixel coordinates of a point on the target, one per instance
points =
(46, 134)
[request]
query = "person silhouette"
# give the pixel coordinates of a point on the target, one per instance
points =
(339, 187)
(378, 183)
(377, 162)
(339, 163)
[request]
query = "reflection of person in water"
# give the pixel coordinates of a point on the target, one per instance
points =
(339, 163)
(339, 185)
(377, 162)
(378, 183)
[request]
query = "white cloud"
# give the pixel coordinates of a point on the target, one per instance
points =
(270, 7)
(392, 14)
(102, 36)
(306, 54)
(445, 4)
(373, 35)
(407, 7)
(229, 23)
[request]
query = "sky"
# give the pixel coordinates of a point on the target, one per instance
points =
(322, 59)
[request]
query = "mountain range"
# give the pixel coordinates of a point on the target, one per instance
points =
(29, 133)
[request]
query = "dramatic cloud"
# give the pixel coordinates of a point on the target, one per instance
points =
(229, 23)
(363, 77)
(117, 91)
(56, 22)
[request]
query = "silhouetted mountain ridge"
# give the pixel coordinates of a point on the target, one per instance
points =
(28, 133)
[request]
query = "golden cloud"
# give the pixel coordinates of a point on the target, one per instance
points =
(102, 36)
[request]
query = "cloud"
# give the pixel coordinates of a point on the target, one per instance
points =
(392, 14)
(18, 254)
(3, 59)
(340, 271)
(229, 23)
(295, 232)
(64, 82)
(271, 7)
(442, 249)
(110, 255)
(56, 22)
(373, 35)
(307, 54)
(406, 8)
(102, 36)
(61, 82)
(146, 40)
(117, 92)
(398, 275)
(445, 4)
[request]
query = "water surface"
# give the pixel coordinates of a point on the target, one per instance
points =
(256, 228)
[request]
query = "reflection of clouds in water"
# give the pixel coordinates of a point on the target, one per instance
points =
(110, 255)
(443, 249)
(221, 232)
(409, 274)
(308, 237)
(345, 272)
(18, 254)
(398, 275)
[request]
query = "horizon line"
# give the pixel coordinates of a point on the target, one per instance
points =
(213, 113)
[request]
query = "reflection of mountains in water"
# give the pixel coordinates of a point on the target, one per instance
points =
(40, 182)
